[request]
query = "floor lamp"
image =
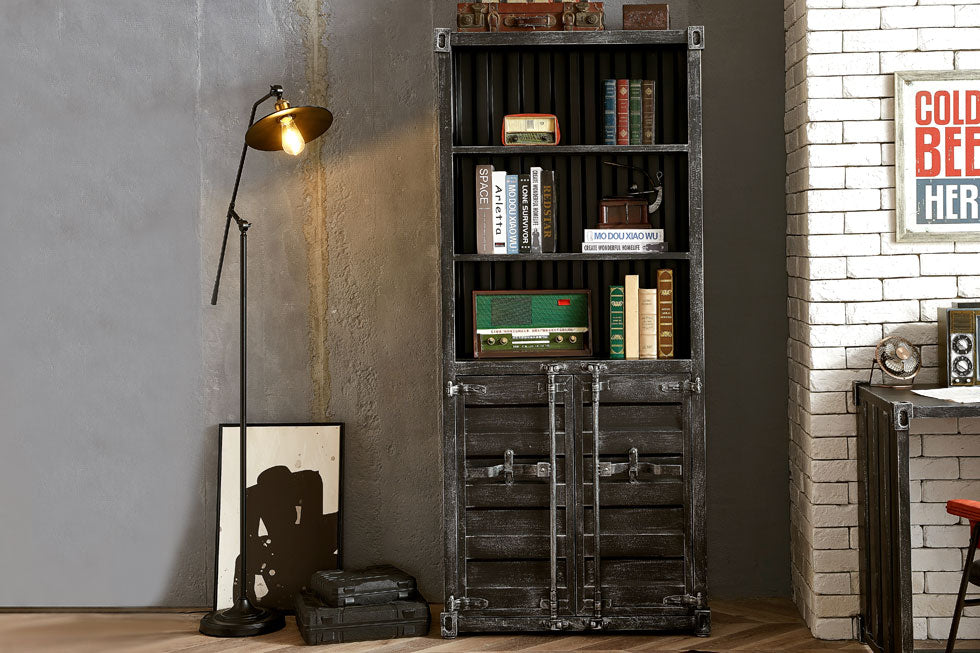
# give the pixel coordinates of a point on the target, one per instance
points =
(288, 129)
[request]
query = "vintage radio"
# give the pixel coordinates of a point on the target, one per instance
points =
(530, 129)
(524, 323)
(958, 330)
(529, 17)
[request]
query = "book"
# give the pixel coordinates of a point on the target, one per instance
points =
(623, 248)
(631, 316)
(549, 209)
(624, 235)
(665, 313)
(499, 180)
(609, 112)
(617, 337)
(648, 102)
(622, 112)
(524, 214)
(484, 210)
(536, 210)
(648, 322)
(513, 206)
(636, 112)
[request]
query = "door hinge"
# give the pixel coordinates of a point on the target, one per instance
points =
(453, 389)
(696, 600)
(690, 385)
(465, 603)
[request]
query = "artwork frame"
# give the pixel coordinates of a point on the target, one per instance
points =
(913, 207)
(328, 443)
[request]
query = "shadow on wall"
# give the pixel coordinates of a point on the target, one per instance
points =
(383, 331)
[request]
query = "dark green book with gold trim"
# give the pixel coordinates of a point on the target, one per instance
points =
(636, 112)
(617, 322)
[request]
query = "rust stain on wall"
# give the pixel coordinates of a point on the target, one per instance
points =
(314, 224)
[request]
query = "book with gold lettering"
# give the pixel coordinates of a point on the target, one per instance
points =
(617, 334)
(665, 313)
(648, 323)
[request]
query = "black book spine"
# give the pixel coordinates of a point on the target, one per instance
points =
(549, 208)
(524, 213)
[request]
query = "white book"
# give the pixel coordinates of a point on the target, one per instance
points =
(624, 235)
(648, 322)
(622, 248)
(631, 321)
(536, 210)
(499, 181)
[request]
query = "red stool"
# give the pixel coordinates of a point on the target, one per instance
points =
(971, 571)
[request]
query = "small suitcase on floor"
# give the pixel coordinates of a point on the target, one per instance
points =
(371, 586)
(320, 624)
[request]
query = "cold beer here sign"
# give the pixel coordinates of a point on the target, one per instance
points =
(937, 121)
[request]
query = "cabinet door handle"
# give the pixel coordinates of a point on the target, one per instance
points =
(509, 470)
(634, 467)
(596, 369)
(553, 371)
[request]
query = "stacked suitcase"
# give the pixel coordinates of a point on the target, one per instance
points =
(353, 606)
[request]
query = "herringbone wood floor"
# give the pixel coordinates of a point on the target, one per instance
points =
(753, 625)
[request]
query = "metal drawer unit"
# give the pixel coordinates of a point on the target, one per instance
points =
(525, 494)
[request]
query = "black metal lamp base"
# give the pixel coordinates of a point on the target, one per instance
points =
(241, 620)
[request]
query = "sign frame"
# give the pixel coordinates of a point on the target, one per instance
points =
(906, 230)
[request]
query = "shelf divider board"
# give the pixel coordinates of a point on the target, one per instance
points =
(558, 150)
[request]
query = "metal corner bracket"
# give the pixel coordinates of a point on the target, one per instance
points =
(695, 37)
(901, 415)
(441, 39)
(449, 624)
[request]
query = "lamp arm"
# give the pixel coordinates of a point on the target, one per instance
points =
(275, 90)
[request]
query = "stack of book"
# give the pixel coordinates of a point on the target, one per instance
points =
(641, 320)
(623, 241)
(629, 111)
(515, 213)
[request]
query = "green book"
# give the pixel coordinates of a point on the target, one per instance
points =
(636, 112)
(617, 321)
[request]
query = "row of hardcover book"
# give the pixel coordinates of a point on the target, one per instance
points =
(641, 320)
(629, 111)
(515, 213)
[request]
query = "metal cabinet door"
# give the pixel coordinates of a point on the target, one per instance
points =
(511, 555)
(645, 561)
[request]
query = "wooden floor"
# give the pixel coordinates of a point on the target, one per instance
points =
(756, 625)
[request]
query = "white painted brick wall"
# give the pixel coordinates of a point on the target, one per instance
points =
(850, 283)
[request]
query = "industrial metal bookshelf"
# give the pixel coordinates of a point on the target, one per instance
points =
(524, 493)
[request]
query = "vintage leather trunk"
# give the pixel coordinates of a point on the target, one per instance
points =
(529, 17)
(321, 624)
(651, 16)
(371, 586)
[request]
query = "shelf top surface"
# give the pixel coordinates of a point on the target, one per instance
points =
(605, 38)
(573, 256)
(480, 366)
(552, 150)
(923, 406)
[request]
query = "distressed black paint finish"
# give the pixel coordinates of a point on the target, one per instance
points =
(520, 496)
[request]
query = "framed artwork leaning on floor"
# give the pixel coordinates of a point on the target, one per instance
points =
(294, 478)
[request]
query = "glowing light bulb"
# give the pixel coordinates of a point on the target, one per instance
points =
(292, 139)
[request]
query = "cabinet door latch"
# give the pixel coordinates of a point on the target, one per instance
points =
(696, 601)
(465, 603)
(453, 389)
(509, 469)
(690, 385)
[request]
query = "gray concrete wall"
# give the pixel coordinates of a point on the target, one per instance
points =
(117, 371)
